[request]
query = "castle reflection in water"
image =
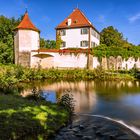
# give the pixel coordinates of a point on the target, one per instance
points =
(85, 93)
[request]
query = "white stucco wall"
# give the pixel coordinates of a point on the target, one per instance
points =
(73, 38)
(96, 62)
(70, 61)
(28, 40)
(94, 39)
(59, 61)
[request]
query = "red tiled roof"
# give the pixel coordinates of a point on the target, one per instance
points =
(26, 23)
(78, 20)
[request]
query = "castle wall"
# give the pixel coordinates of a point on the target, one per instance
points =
(24, 58)
(57, 60)
(118, 63)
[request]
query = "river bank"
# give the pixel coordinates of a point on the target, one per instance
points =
(98, 128)
(11, 75)
(21, 118)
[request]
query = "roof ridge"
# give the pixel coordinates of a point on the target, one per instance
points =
(85, 17)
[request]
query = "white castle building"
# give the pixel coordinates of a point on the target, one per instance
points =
(76, 32)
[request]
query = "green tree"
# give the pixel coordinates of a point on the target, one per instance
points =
(49, 44)
(52, 44)
(111, 37)
(7, 25)
(42, 43)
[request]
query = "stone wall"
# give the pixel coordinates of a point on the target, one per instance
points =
(116, 63)
(24, 59)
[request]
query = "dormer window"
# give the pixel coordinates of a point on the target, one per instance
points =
(75, 21)
(62, 32)
(84, 31)
(69, 22)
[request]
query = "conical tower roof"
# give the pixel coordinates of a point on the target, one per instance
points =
(26, 23)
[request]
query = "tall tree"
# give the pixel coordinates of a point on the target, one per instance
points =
(7, 26)
(49, 44)
(111, 37)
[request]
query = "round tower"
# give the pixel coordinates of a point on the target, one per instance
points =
(26, 39)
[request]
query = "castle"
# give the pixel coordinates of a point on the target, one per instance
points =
(76, 31)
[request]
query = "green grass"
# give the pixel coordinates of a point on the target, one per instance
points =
(27, 119)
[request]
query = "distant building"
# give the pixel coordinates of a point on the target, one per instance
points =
(77, 31)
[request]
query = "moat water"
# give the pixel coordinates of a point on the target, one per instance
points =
(113, 99)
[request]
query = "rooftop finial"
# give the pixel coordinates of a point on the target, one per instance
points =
(26, 11)
(77, 6)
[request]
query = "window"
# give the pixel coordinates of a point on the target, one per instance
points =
(84, 43)
(93, 32)
(62, 32)
(63, 44)
(93, 44)
(84, 31)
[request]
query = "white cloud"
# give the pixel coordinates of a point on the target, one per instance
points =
(134, 18)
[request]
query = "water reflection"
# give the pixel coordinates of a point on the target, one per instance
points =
(119, 100)
(83, 94)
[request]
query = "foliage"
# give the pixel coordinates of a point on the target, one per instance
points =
(67, 101)
(49, 44)
(107, 51)
(114, 44)
(24, 119)
(135, 72)
(6, 53)
(11, 75)
(112, 37)
(7, 38)
(58, 41)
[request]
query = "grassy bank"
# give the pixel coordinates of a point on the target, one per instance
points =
(24, 119)
(11, 75)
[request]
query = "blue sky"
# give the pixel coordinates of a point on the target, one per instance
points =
(47, 14)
